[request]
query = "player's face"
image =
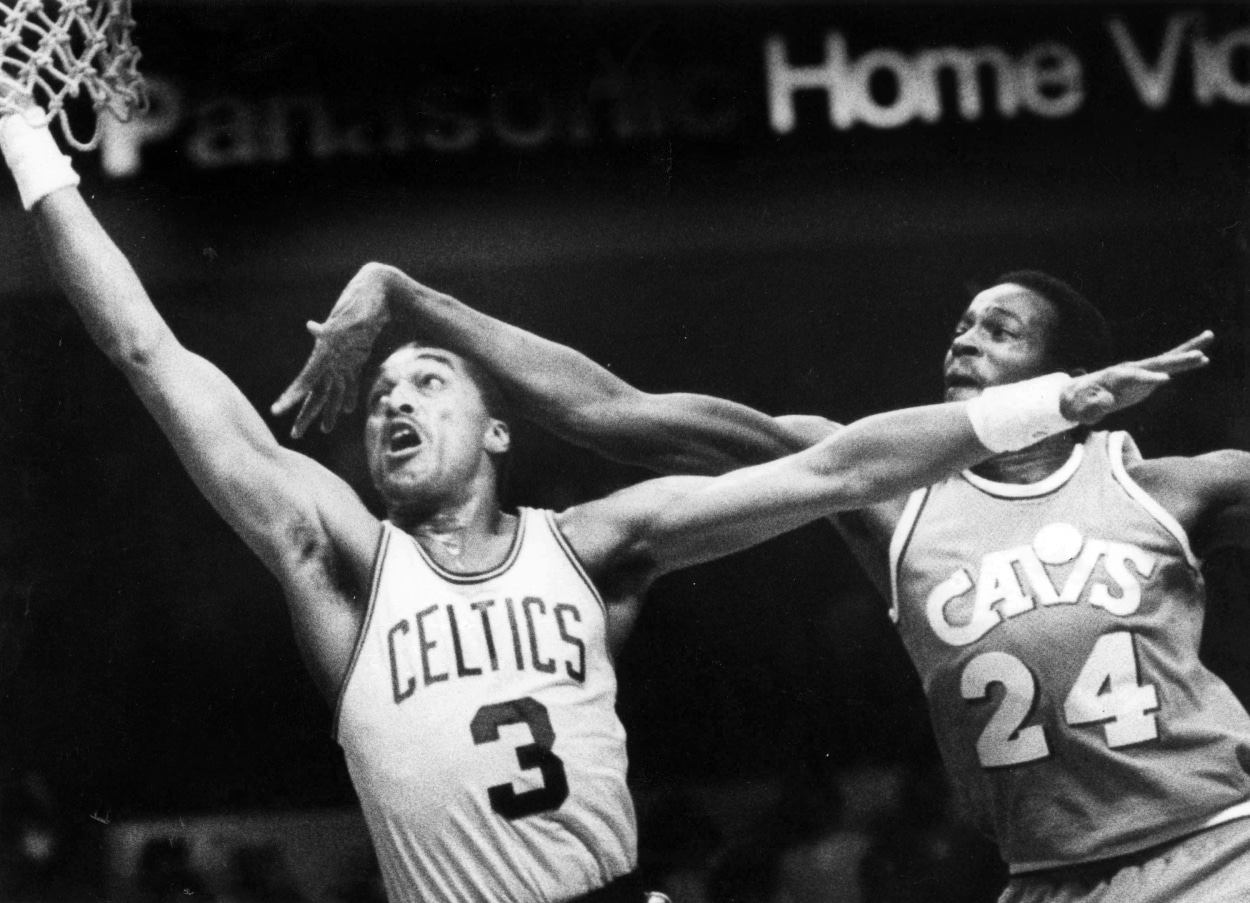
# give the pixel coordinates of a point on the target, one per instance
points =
(427, 433)
(1001, 338)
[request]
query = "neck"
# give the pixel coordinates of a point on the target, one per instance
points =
(1029, 465)
(465, 535)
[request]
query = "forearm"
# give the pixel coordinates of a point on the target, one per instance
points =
(883, 456)
(220, 439)
(551, 382)
(98, 280)
(868, 462)
(94, 274)
(890, 454)
(584, 403)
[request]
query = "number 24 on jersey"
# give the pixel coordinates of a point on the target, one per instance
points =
(1107, 691)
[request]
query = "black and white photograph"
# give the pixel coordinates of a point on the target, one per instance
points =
(593, 451)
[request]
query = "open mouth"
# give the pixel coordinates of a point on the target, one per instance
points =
(961, 381)
(403, 438)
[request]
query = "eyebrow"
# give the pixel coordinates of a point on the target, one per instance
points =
(439, 357)
(1002, 311)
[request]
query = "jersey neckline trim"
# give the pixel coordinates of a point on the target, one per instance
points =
(476, 576)
(1031, 490)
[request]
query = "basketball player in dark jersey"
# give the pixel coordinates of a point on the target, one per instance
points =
(467, 650)
(1050, 598)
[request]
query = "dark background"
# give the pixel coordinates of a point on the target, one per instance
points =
(147, 658)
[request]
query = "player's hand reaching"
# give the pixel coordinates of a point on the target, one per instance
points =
(14, 100)
(1091, 397)
(10, 94)
(329, 383)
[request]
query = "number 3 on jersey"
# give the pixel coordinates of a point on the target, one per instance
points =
(1107, 691)
(555, 790)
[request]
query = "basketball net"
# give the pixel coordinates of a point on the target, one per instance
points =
(52, 50)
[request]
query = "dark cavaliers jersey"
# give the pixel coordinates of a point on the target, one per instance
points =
(1055, 627)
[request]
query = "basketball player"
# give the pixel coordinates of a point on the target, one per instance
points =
(467, 651)
(1050, 598)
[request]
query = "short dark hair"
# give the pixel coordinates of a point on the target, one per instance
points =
(497, 405)
(1081, 339)
(494, 398)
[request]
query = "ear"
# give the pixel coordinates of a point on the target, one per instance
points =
(498, 437)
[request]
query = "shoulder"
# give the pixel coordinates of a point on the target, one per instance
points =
(1214, 474)
(606, 530)
(614, 536)
(1196, 489)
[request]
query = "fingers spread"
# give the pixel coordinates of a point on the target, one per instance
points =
(1200, 342)
(1181, 362)
(334, 402)
(1185, 356)
(351, 394)
(296, 391)
(287, 400)
(313, 404)
(1141, 374)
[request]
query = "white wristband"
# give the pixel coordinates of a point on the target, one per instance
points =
(1014, 416)
(38, 166)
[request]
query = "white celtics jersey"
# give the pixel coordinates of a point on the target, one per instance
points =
(478, 720)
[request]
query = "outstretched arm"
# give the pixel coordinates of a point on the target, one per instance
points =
(1209, 495)
(554, 385)
(221, 440)
(265, 492)
(678, 521)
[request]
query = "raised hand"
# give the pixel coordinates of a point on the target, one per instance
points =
(1091, 397)
(15, 99)
(329, 383)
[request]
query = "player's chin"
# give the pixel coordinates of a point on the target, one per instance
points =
(392, 484)
(397, 486)
(406, 489)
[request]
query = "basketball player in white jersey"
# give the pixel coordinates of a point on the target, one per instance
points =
(1050, 598)
(468, 651)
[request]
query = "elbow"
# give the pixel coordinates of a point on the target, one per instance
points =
(859, 489)
(136, 351)
(379, 272)
(380, 277)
